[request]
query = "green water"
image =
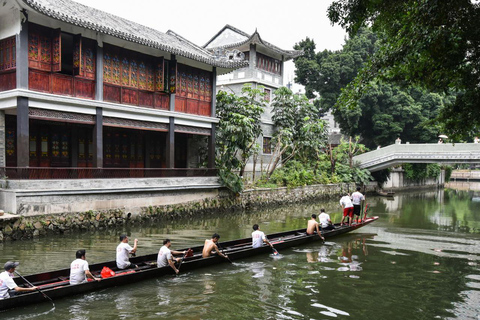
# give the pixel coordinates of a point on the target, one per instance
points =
(420, 260)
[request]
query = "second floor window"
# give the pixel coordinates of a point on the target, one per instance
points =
(52, 50)
(268, 93)
(267, 145)
(7, 54)
(269, 64)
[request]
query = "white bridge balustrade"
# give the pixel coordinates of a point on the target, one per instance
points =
(396, 154)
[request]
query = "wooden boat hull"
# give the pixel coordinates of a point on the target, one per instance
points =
(55, 283)
(385, 193)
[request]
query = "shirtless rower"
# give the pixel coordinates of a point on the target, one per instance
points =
(211, 245)
(313, 225)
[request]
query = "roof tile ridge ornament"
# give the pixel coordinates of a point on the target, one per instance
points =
(251, 39)
(221, 54)
(227, 26)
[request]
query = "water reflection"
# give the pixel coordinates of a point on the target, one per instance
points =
(420, 260)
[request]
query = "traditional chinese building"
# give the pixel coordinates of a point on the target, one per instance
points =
(88, 95)
(265, 69)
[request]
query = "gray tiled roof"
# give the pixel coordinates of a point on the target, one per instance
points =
(106, 23)
(253, 38)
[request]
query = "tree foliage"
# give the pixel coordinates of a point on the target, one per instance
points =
(382, 113)
(237, 133)
(428, 43)
(299, 133)
(420, 171)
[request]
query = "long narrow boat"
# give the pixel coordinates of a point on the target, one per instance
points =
(55, 284)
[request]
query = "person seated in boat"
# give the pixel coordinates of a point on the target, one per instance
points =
(325, 222)
(259, 238)
(357, 199)
(211, 245)
(7, 283)
(313, 225)
(347, 206)
(165, 256)
(123, 250)
(79, 271)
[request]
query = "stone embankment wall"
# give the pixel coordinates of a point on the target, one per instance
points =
(465, 175)
(15, 227)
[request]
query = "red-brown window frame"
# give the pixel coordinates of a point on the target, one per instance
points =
(8, 59)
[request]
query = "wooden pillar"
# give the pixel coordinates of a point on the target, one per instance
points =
(214, 92)
(22, 54)
(171, 144)
(3, 160)
(211, 140)
(23, 129)
(148, 139)
(98, 140)
(99, 75)
(211, 148)
(172, 94)
(74, 139)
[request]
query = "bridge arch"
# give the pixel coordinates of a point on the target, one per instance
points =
(396, 154)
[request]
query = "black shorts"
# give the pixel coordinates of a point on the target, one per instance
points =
(356, 209)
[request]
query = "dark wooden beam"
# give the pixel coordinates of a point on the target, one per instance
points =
(23, 129)
(172, 95)
(74, 146)
(214, 92)
(148, 139)
(211, 148)
(171, 144)
(98, 140)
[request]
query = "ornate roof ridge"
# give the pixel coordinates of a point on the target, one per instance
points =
(250, 38)
(97, 20)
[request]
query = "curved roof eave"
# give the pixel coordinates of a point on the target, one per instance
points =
(288, 54)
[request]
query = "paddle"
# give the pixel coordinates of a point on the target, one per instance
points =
(365, 212)
(223, 252)
(275, 252)
(38, 289)
(188, 253)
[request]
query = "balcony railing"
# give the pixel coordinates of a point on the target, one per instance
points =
(16, 173)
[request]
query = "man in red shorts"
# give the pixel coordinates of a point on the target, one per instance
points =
(347, 206)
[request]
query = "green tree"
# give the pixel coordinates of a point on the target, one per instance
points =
(298, 130)
(386, 112)
(382, 113)
(326, 73)
(427, 43)
(341, 161)
(237, 133)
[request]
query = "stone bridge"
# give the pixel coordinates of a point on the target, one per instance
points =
(396, 154)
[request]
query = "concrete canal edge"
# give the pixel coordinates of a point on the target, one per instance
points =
(17, 227)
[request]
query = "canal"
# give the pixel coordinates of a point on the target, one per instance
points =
(420, 260)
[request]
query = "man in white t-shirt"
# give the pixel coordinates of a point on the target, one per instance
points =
(79, 271)
(7, 283)
(123, 250)
(258, 237)
(325, 221)
(347, 207)
(357, 198)
(165, 256)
